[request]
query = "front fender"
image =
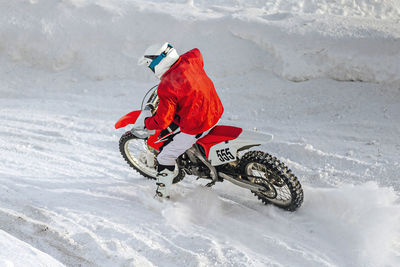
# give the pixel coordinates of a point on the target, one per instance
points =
(129, 118)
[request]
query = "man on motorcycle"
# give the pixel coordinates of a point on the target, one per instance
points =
(187, 98)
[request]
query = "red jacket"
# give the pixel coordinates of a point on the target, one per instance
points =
(187, 97)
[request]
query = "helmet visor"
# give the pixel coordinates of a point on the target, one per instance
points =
(146, 59)
(152, 57)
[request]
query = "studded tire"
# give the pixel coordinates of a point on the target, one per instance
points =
(134, 162)
(282, 187)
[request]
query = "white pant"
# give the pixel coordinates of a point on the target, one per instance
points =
(179, 144)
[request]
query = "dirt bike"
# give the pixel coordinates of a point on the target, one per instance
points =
(220, 155)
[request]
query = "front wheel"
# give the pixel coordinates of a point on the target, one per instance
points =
(134, 151)
(282, 187)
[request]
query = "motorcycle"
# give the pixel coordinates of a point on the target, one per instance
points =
(222, 154)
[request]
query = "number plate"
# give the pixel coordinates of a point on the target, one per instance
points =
(222, 153)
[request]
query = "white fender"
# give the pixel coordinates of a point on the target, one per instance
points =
(226, 151)
(252, 138)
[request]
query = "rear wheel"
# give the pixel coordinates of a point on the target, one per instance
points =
(134, 151)
(282, 187)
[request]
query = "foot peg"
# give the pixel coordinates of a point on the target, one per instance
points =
(210, 184)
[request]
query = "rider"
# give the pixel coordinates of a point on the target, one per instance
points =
(187, 98)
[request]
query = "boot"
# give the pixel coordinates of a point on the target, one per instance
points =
(164, 182)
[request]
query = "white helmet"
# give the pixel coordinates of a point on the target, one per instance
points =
(159, 58)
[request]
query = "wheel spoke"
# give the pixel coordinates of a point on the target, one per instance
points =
(136, 153)
(282, 194)
(135, 150)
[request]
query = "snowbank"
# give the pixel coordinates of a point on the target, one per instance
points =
(386, 9)
(299, 40)
(14, 252)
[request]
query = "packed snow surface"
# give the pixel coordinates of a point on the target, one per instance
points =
(322, 76)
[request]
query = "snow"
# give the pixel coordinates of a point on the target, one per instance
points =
(322, 76)
(14, 252)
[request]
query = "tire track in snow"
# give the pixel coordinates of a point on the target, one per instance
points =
(43, 143)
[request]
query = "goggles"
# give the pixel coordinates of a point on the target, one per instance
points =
(156, 59)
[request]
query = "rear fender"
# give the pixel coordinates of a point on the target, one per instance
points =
(251, 138)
